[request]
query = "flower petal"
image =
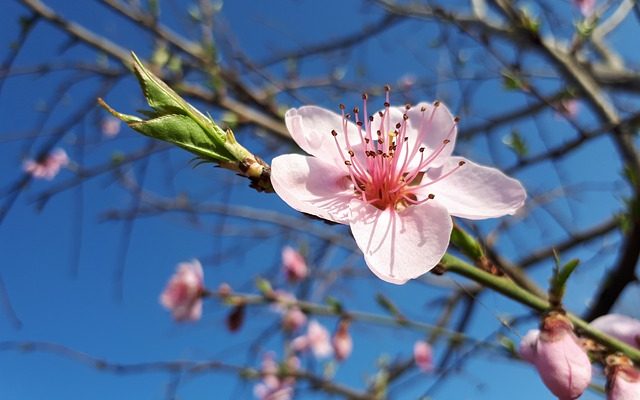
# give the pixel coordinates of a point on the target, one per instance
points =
(312, 186)
(403, 245)
(620, 327)
(475, 191)
(311, 127)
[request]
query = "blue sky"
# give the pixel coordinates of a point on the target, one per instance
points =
(80, 310)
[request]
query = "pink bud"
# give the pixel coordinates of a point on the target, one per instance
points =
(342, 342)
(556, 353)
(48, 167)
(620, 327)
(294, 265)
(293, 319)
(183, 294)
(623, 381)
(528, 345)
(423, 355)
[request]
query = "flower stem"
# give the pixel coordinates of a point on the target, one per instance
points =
(511, 290)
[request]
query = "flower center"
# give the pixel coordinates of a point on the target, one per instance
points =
(386, 169)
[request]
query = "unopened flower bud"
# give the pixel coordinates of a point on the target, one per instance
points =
(294, 265)
(293, 319)
(620, 327)
(556, 353)
(623, 381)
(342, 342)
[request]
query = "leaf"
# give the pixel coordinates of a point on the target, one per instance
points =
(516, 142)
(184, 132)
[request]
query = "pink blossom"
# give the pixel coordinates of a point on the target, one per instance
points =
(342, 342)
(110, 126)
(293, 319)
(48, 167)
(272, 386)
(619, 326)
(423, 356)
(294, 265)
(316, 339)
(392, 178)
(586, 6)
(183, 294)
(556, 353)
(623, 381)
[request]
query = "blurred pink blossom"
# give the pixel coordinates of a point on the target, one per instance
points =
(272, 386)
(294, 265)
(293, 319)
(342, 342)
(586, 6)
(556, 353)
(423, 356)
(183, 294)
(49, 166)
(619, 326)
(391, 176)
(110, 126)
(316, 339)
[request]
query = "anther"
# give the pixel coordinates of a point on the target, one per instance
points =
(366, 140)
(398, 125)
(405, 117)
(359, 123)
(461, 163)
(446, 141)
(378, 132)
(423, 108)
(380, 141)
(407, 107)
(386, 104)
(456, 119)
(380, 114)
(431, 196)
(356, 110)
(351, 153)
(387, 88)
(342, 107)
(347, 116)
(347, 162)
(365, 96)
(334, 133)
(421, 149)
(379, 151)
(436, 103)
(370, 118)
